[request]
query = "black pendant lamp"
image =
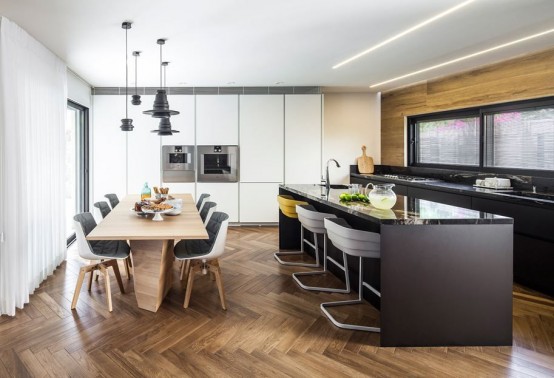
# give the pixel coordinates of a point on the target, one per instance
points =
(136, 97)
(126, 123)
(164, 127)
(161, 106)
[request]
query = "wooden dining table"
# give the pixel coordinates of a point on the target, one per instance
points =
(151, 244)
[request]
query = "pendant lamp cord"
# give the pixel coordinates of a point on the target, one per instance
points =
(136, 59)
(161, 65)
(126, 76)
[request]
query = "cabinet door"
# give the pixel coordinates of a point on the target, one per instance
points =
(109, 147)
(258, 202)
(261, 138)
(441, 197)
(182, 188)
(217, 120)
(226, 195)
(143, 148)
(302, 139)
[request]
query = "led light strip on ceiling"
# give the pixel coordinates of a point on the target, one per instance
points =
(464, 57)
(407, 31)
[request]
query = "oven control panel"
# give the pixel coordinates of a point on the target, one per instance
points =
(217, 148)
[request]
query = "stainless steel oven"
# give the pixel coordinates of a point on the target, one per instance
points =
(218, 163)
(178, 164)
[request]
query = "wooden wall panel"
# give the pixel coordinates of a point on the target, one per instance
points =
(528, 77)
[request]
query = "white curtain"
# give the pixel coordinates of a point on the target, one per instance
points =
(33, 105)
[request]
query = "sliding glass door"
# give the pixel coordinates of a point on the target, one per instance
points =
(76, 165)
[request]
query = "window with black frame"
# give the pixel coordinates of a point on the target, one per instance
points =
(516, 136)
(76, 164)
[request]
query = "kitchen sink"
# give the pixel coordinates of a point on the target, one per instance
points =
(336, 186)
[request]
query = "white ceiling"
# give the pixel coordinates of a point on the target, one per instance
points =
(260, 43)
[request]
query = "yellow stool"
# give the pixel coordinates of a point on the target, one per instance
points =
(287, 205)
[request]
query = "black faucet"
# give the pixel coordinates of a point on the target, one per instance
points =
(327, 183)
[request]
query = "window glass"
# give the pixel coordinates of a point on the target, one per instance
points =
(520, 139)
(448, 141)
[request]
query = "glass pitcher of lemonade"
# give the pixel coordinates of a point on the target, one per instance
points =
(382, 196)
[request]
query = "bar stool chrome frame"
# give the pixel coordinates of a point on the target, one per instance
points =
(354, 243)
(312, 220)
(287, 205)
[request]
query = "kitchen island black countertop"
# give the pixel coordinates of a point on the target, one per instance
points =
(444, 273)
(406, 211)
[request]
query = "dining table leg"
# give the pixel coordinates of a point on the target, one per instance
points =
(152, 262)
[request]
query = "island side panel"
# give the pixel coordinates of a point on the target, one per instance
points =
(446, 285)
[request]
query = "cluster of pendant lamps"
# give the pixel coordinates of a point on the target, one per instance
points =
(160, 108)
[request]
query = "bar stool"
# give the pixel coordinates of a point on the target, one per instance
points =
(313, 221)
(354, 243)
(287, 205)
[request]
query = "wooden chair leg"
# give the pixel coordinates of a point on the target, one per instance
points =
(115, 266)
(127, 263)
(106, 274)
(90, 280)
(216, 270)
(193, 268)
(82, 273)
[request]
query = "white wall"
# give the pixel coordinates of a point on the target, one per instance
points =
(350, 121)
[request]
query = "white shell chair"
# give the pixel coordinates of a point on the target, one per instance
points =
(204, 254)
(108, 251)
(207, 211)
(312, 220)
(204, 197)
(354, 243)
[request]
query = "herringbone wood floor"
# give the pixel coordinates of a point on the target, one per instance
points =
(272, 328)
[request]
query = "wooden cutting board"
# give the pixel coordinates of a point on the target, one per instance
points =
(365, 163)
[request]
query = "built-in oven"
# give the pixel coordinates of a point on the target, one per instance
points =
(178, 163)
(218, 163)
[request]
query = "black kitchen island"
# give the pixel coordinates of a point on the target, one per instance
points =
(445, 273)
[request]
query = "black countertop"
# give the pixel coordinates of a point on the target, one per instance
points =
(406, 211)
(464, 189)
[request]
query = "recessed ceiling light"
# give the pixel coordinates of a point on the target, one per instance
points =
(279, 82)
(182, 83)
(231, 83)
(407, 31)
(464, 57)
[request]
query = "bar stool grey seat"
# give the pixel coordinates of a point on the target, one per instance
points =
(103, 207)
(313, 221)
(113, 199)
(204, 197)
(204, 254)
(357, 243)
(107, 251)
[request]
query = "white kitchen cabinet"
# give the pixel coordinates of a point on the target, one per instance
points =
(143, 148)
(261, 138)
(226, 195)
(302, 139)
(258, 202)
(217, 120)
(184, 122)
(109, 151)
